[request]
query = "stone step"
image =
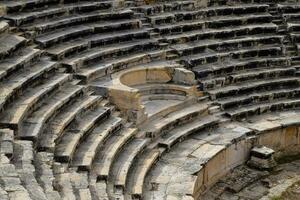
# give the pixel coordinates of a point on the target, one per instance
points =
(257, 109)
(18, 60)
(98, 190)
(9, 43)
(140, 171)
(34, 125)
(11, 186)
(244, 76)
(45, 175)
(64, 186)
(17, 83)
(162, 89)
(160, 126)
(180, 133)
(234, 66)
(25, 17)
(286, 7)
(290, 17)
(23, 160)
(125, 160)
(104, 159)
(60, 51)
(162, 18)
(3, 27)
(95, 55)
(87, 149)
(213, 23)
(227, 44)
(293, 27)
(80, 184)
(67, 34)
(15, 6)
(246, 88)
(72, 20)
(30, 100)
(258, 97)
(63, 119)
(71, 138)
(211, 56)
(7, 142)
(243, 30)
(214, 11)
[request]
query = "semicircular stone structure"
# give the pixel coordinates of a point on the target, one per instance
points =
(142, 100)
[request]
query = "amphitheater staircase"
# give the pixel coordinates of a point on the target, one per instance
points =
(62, 139)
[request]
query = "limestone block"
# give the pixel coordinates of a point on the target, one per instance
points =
(2, 10)
(201, 3)
(118, 4)
(184, 76)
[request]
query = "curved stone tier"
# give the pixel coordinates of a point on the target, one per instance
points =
(127, 100)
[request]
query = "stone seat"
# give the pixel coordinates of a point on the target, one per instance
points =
(71, 138)
(213, 23)
(179, 27)
(227, 44)
(291, 17)
(239, 9)
(286, 7)
(156, 89)
(54, 10)
(258, 97)
(295, 36)
(213, 57)
(257, 109)
(65, 49)
(16, 84)
(75, 19)
(98, 70)
(243, 30)
(10, 183)
(3, 27)
(7, 142)
(143, 167)
(87, 149)
(18, 60)
(35, 123)
(293, 26)
(45, 174)
(126, 160)
(162, 18)
(30, 100)
(215, 11)
(159, 126)
(244, 76)
(99, 54)
(63, 182)
(64, 118)
(9, 43)
(247, 87)
(211, 70)
(67, 34)
(153, 97)
(24, 163)
(15, 6)
(105, 158)
(180, 133)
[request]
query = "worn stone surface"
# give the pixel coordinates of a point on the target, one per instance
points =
(146, 99)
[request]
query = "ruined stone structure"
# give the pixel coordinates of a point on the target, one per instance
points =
(126, 100)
